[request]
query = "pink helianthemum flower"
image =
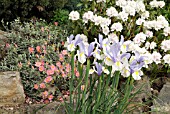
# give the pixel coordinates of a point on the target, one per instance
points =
(50, 72)
(48, 79)
(42, 85)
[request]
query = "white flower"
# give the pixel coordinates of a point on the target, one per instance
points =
(152, 45)
(91, 71)
(108, 61)
(117, 26)
(165, 45)
(71, 47)
(87, 16)
(106, 71)
(145, 15)
(98, 1)
(148, 59)
(81, 57)
(166, 59)
(137, 74)
(111, 12)
(97, 19)
(130, 10)
(105, 30)
(147, 45)
(123, 16)
(84, 37)
(149, 34)
(139, 21)
(156, 57)
(166, 31)
(125, 72)
(161, 4)
(157, 4)
(113, 38)
(141, 37)
(140, 6)
(121, 3)
(74, 15)
(153, 3)
(105, 22)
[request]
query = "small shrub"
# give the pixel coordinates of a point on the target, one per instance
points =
(23, 41)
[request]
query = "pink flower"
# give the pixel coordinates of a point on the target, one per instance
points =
(61, 58)
(64, 52)
(31, 49)
(58, 64)
(37, 64)
(53, 67)
(50, 97)
(50, 72)
(42, 85)
(35, 86)
(77, 74)
(48, 79)
(7, 45)
(45, 94)
(41, 68)
(56, 23)
(63, 75)
(38, 48)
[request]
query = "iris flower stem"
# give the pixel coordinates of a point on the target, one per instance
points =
(86, 84)
(72, 80)
(98, 94)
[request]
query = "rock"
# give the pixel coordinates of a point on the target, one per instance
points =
(51, 108)
(141, 97)
(162, 103)
(11, 89)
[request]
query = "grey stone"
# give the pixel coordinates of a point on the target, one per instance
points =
(145, 94)
(11, 89)
(162, 103)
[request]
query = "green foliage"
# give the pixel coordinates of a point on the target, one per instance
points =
(61, 16)
(26, 9)
(19, 57)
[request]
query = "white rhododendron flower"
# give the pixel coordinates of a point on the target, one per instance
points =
(113, 38)
(147, 45)
(141, 37)
(87, 16)
(117, 27)
(111, 12)
(166, 59)
(105, 30)
(140, 6)
(129, 10)
(139, 21)
(152, 45)
(121, 3)
(148, 33)
(166, 31)
(156, 57)
(74, 15)
(157, 4)
(165, 45)
(145, 15)
(98, 1)
(123, 16)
